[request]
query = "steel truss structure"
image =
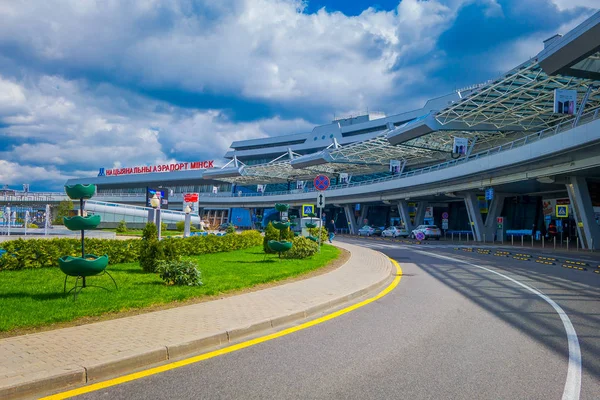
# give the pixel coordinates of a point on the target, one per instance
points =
(515, 105)
(524, 97)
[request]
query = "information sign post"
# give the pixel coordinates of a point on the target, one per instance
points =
(320, 206)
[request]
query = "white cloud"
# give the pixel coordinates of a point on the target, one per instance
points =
(64, 126)
(261, 49)
(569, 4)
(14, 173)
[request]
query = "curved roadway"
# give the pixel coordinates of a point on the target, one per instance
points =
(449, 330)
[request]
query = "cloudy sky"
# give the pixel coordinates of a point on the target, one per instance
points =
(107, 83)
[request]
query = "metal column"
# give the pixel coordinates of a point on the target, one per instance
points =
(404, 214)
(349, 211)
(494, 211)
(474, 216)
(581, 203)
(364, 211)
(420, 215)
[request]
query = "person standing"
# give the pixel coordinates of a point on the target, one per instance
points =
(331, 230)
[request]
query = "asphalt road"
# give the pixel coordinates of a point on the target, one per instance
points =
(448, 331)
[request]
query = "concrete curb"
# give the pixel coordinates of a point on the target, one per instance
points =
(78, 375)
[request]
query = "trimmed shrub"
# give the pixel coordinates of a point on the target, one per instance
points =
(171, 249)
(230, 229)
(32, 225)
(39, 253)
(180, 226)
(122, 227)
(177, 272)
(301, 248)
(270, 234)
(163, 226)
(315, 232)
(151, 251)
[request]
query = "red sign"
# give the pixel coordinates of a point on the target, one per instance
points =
(190, 197)
(500, 220)
(147, 169)
(321, 182)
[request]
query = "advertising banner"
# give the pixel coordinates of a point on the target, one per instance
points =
(565, 101)
(460, 145)
(483, 208)
(215, 190)
(395, 166)
(162, 194)
(344, 180)
(190, 197)
(300, 185)
(412, 209)
(260, 188)
(428, 212)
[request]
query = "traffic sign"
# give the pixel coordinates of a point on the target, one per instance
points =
(320, 200)
(420, 235)
(321, 182)
(307, 209)
(562, 211)
(489, 193)
(444, 215)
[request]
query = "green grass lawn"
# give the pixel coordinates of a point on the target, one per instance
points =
(34, 297)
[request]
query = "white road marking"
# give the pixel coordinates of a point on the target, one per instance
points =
(573, 383)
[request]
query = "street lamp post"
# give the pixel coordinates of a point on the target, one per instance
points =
(155, 203)
(188, 219)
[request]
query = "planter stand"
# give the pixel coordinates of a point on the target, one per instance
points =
(280, 246)
(87, 264)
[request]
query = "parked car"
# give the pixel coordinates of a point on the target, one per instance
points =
(366, 230)
(429, 231)
(378, 230)
(395, 231)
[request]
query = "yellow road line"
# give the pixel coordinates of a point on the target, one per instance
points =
(230, 349)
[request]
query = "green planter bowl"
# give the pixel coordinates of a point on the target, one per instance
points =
(78, 223)
(88, 266)
(281, 225)
(293, 224)
(311, 215)
(76, 192)
(296, 233)
(282, 207)
(311, 225)
(314, 239)
(279, 247)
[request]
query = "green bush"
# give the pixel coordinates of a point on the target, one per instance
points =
(122, 227)
(177, 272)
(39, 253)
(315, 232)
(270, 234)
(230, 229)
(32, 225)
(301, 248)
(171, 249)
(151, 251)
(180, 226)
(62, 210)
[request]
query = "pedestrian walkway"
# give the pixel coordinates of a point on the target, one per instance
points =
(42, 362)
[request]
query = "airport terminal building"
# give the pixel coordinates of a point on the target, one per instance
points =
(515, 153)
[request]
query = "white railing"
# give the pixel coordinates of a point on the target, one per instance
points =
(564, 126)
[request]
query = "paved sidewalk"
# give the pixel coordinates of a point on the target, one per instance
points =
(42, 362)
